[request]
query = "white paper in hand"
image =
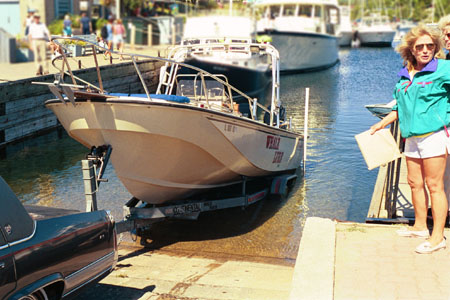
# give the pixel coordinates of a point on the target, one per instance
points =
(377, 149)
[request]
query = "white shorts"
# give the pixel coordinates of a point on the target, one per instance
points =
(117, 38)
(435, 144)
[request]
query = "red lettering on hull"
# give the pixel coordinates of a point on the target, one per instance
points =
(273, 142)
(277, 157)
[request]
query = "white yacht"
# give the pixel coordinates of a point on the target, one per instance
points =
(305, 32)
(246, 67)
(376, 31)
(345, 28)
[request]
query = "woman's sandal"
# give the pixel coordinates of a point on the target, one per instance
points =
(425, 247)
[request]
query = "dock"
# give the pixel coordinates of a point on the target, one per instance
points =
(382, 207)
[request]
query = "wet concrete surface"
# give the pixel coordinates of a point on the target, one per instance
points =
(264, 232)
(181, 274)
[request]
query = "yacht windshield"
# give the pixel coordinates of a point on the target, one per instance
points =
(289, 10)
(305, 11)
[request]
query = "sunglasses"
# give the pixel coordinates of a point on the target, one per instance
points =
(420, 47)
(447, 35)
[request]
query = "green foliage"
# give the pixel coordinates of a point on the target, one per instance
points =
(56, 27)
(415, 10)
(73, 42)
(132, 4)
(100, 23)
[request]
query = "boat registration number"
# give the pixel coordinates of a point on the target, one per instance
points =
(186, 209)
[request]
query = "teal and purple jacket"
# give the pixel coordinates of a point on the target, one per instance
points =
(423, 104)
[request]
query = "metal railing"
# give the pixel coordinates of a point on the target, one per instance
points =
(393, 175)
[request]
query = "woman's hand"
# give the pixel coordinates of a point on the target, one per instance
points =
(391, 117)
(375, 127)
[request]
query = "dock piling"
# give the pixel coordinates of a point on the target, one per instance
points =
(90, 184)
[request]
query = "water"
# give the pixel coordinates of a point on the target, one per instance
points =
(47, 170)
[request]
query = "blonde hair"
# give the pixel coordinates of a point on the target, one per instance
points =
(406, 45)
(444, 22)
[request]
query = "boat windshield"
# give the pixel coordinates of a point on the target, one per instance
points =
(289, 10)
(199, 89)
(317, 11)
(274, 11)
(305, 11)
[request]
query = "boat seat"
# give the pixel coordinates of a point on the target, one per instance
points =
(173, 98)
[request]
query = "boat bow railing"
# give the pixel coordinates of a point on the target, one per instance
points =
(181, 52)
(169, 71)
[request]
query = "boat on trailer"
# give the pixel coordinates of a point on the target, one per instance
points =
(187, 138)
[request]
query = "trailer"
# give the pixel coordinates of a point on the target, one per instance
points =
(138, 216)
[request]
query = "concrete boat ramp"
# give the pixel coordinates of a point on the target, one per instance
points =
(336, 260)
(168, 275)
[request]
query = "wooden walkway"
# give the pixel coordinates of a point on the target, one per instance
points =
(402, 209)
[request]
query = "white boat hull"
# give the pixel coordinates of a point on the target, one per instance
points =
(301, 52)
(376, 37)
(345, 38)
(162, 151)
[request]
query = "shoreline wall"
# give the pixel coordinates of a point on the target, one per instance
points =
(22, 110)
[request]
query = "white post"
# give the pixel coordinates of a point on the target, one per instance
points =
(149, 35)
(173, 29)
(305, 130)
(117, 9)
(132, 36)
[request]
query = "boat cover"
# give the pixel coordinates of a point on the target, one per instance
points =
(173, 98)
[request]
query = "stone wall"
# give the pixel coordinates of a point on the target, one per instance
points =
(22, 110)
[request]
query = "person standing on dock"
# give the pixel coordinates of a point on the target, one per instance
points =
(109, 37)
(85, 24)
(38, 36)
(444, 25)
(422, 110)
(119, 34)
(67, 26)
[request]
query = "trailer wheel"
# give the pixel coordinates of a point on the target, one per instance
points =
(38, 295)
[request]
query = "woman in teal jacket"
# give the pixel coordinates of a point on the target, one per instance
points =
(422, 95)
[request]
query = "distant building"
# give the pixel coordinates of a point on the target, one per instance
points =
(50, 10)
(10, 16)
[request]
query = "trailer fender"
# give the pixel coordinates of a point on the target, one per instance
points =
(280, 184)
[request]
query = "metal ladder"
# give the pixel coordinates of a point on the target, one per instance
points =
(170, 70)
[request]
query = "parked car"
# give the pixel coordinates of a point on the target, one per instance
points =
(50, 253)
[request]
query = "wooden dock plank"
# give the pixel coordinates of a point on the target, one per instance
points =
(377, 196)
